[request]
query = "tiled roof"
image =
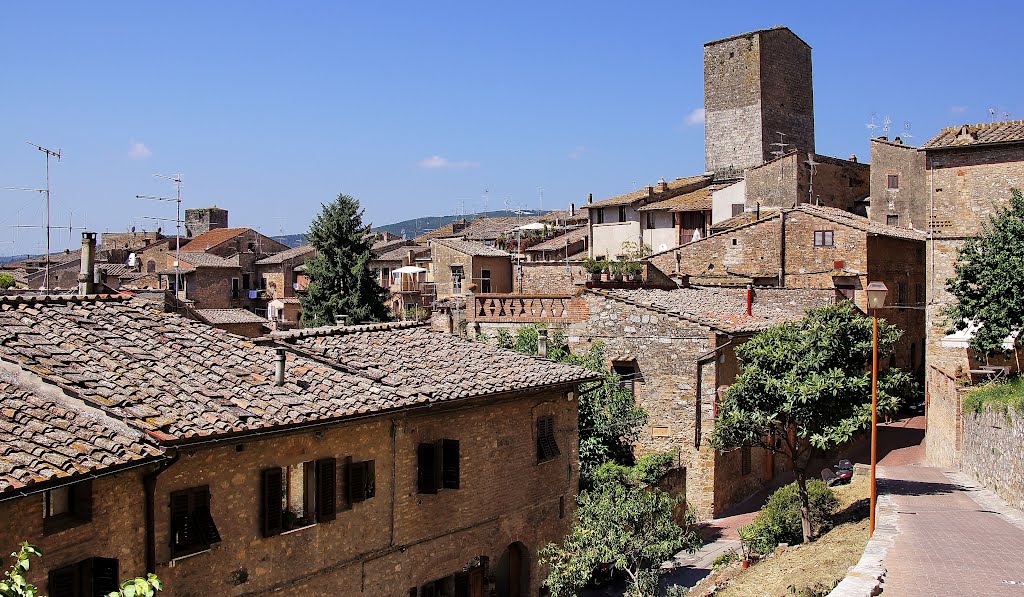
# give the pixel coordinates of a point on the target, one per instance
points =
(746, 217)
(675, 187)
(286, 255)
(385, 246)
(479, 229)
(968, 135)
(699, 200)
(562, 215)
(443, 366)
(724, 308)
(859, 222)
(399, 253)
(470, 248)
(46, 437)
(118, 269)
(558, 242)
(212, 238)
(205, 259)
(228, 316)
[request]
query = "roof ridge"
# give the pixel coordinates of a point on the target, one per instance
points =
(63, 298)
(339, 330)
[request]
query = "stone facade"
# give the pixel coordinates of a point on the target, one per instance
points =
(756, 85)
(542, 277)
(787, 182)
(498, 266)
(992, 444)
(198, 221)
(899, 186)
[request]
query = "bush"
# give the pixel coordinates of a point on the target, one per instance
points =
(594, 266)
(779, 519)
(1002, 396)
(6, 281)
(725, 559)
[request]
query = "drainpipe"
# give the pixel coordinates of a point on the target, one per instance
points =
(750, 300)
(698, 418)
(782, 248)
(85, 274)
(149, 488)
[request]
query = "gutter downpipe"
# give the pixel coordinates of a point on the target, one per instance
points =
(698, 418)
(149, 487)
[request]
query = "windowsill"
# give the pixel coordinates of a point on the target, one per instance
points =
(176, 559)
(296, 530)
(61, 522)
(555, 459)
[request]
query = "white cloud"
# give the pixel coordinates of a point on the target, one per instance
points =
(578, 152)
(435, 161)
(139, 151)
(958, 109)
(695, 117)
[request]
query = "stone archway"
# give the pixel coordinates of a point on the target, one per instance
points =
(512, 574)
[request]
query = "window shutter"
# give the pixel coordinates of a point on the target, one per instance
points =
(101, 574)
(202, 518)
(81, 500)
(462, 584)
(182, 534)
(371, 478)
(346, 503)
(553, 450)
(272, 520)
(450, 463)
(326, 498)
(426, 474)
(62, 582)
(547, 447)
(357, 482)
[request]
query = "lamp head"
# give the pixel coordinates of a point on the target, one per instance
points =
(877, 292)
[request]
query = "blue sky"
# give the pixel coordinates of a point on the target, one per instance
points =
(270, 109)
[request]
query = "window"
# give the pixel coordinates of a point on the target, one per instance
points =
(892, 182)
(246, 281)
(734, 242)
(299, 495)
(599, 215)
(622, 213)
(234, 288)
(438, 466)
(360, 481)
(67, 507)
(901, 293)
(745, 466)
(824, 238)
(892, 220)
(652, 220)
(845, 291)
(89, 578)
(547, 447)
(485, 280)
(627, 373)
(150, 267)
(192, 526)
(737, 209)
(385, 277)
(457, 279)
(263, 283)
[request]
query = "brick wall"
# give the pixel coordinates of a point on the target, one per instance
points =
(538, 277)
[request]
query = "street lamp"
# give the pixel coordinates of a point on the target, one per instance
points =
(876, 292)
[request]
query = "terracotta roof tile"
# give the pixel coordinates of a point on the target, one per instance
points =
(228, 316)
(470, 248)
(286, 255)
(698, 200)
(213, 238)
(675, 187)
(969, 135)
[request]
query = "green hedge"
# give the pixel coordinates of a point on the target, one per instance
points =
(779, 520)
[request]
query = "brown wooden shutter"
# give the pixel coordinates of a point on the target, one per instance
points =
(81, 500)
(101, 575)
(357, 482)
(326, 498)
(63, 582)
(182, 534)
(202, 518)
(371, 478)
(450, 463)
(426, 474)
(553, 444)
(272, 519)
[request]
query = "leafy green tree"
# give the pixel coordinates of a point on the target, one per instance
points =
(780, 520)
(6, 280)
(340, 282)
(14, 583)
(805, 388)
(624, 521)
(989, 275)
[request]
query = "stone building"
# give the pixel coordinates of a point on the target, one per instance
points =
(790, 180)
(821, 248)
(899, 184)
(458, 263)
(969, 173)
(368, 460)
(756, 85)
(675, 351)
(202, 220)
(284, 278)
(483, 230)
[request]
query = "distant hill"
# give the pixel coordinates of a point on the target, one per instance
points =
(13, 258)
(417, 226)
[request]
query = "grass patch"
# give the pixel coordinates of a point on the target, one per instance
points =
(1002, 396)
(816, 568)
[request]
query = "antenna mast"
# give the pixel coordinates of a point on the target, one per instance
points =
(813, 166)
(176, 179)
(49, 153)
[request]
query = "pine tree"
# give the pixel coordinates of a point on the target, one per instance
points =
(340, 282)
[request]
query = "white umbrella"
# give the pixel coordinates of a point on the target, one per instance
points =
(408, 269)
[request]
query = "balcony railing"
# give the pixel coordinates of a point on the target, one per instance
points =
(526, 308)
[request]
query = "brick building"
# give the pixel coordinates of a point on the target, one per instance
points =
(899, 184)
(674, 349)
(822, 248)
(969, 173)
(369, 460)
(284, 279)
(756, 85)
(458, 263)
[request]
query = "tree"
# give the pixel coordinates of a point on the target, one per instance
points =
(804, 388)
(989, 275)
(340, 280)
(6, 280)
(14, 583)
(624, 521)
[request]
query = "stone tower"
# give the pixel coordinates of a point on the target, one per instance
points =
(198, 221)
(756, 85)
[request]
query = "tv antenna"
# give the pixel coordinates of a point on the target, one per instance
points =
(541, 198)
(871, 125)
(906, 130)
(813, 165)
(781, 144)
(992, 114)
(885, 126)
(46, 260)
(176, 179)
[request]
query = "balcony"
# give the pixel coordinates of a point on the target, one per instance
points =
(526, 308)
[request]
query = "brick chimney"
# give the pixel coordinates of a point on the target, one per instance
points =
(86, 285)
(662, 185)
(542, 343)
(590, 198)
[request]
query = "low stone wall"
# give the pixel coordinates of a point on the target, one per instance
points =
(992, 444)
(943, 443)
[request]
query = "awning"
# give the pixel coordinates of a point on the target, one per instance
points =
(408, 269)
(534, 226)
(962, 338)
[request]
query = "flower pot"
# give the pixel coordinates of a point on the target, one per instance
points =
(595, 276)
(617, 277)
(746, 564)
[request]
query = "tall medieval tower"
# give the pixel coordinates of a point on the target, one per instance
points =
(756, 85)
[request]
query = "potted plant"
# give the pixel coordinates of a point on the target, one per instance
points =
(594, 267)
(635, 269)
(617, 270)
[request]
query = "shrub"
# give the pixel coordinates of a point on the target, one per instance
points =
(725, 559)
(6, 280)
(594, 266)
(1002, 396)
(779, 520)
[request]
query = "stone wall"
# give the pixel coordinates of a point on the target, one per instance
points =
(787, 91)
(908, 202)
(945, 413)
(540, 277)
(992, 444)
(787, 182)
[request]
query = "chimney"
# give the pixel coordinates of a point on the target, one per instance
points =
(898, 141)
(85, 274)
(280, 357)
(542, 343)
(650, 191)
(662, 185)
(853, 158)
(590, 198)
(572, 209)
(341, 320)
(750, 300)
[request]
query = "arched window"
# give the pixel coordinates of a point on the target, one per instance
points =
(150, 266)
